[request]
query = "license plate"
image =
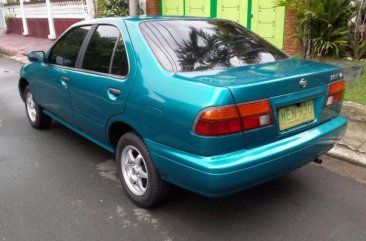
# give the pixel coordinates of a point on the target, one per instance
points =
(294, 115)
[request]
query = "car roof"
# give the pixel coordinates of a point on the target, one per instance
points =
(154, 18)
(137, 19)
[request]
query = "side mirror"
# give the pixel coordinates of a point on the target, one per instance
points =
(36, 56)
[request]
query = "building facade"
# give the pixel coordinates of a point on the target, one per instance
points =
(267, 18)
(46, 19)
(50, 18)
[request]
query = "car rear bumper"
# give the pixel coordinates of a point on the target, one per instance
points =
(229, 173)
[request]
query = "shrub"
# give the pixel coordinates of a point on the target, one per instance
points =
(322, 25)
(109, 8)
(112, 8)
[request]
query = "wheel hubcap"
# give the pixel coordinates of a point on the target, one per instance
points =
(134, 170)
(31, 107)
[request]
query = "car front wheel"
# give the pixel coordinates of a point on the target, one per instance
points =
(36, 117)
(141, 181)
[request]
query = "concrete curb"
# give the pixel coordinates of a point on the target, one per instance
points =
(8, 50)
(16, 45)
(346, 154)
(354, 111)
(352, 148)
(12, 53)
(23, 59)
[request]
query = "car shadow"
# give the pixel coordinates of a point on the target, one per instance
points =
(80, 142)
(258, 200)
(282, 187)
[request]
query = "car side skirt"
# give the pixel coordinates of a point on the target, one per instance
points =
(80, 132)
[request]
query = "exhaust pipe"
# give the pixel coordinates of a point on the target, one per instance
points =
(318, 160)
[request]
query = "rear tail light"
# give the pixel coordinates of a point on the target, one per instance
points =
(217, 121)
(335, 92)
(255, 114)
(223, 120)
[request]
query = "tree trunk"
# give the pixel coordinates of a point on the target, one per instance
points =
(307, 47)
(308, 42)
(133, 8)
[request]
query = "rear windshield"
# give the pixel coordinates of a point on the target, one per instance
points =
(193, 45)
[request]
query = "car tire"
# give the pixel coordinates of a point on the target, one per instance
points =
(36, 117)
(137, 173)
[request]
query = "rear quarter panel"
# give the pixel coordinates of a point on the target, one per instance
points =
(162, 106)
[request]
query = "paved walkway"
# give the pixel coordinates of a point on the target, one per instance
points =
(16, 45)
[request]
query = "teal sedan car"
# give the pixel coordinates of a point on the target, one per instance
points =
(200, 103)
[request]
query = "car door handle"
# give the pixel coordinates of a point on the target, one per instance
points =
(65, 82)
(113, 91)
(65, 79)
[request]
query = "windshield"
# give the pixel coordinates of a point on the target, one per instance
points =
(193, 45)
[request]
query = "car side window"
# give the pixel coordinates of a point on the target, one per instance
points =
(106, 52)
(66, 51)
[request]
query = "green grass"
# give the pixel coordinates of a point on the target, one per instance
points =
(356, 90)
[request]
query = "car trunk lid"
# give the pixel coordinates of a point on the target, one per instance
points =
(267, 80)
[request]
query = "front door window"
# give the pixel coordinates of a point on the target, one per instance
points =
(66, 51)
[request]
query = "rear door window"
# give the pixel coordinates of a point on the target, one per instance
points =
(66, 50)
(106, 52)
(120, 60)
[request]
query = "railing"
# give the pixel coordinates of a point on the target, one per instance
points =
(82, 9)
(64, 9)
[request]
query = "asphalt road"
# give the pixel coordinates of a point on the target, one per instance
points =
(56, 185)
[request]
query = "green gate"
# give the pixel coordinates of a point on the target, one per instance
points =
(172, 7)
(264, 17)
(198, 8)
(235, 10)
(268, 20)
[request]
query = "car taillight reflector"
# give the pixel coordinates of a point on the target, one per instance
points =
(335, 92)
(223, 120)
(217, 121)
(218, 128)
(255, 114)
(220, 113)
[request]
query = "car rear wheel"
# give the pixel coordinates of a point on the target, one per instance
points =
(141, 181)
(36, 117)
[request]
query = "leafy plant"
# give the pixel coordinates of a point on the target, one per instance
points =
(356, 49)
(112, 8)
(11, 2)
(9, 18)
(322, 25)
(331, 42)
(109, 8)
